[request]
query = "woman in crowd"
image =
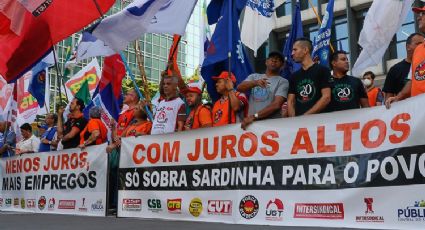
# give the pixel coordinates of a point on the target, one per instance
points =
(30, 143)
(95, 132)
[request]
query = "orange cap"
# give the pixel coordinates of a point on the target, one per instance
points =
(192, 88)
(225, 75)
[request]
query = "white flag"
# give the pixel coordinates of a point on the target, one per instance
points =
(129, 24)
(382, 21)
(172, 17)
(90, 46)
(258, 21)
(6, 98)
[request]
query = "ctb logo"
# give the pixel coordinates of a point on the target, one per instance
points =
(174, 205)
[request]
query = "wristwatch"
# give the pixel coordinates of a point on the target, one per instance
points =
(256, 116)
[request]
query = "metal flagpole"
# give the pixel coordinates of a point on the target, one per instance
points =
(140, 64)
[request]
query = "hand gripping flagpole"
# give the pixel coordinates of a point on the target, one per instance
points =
(135, 85)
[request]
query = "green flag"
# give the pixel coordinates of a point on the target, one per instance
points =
(84, 93)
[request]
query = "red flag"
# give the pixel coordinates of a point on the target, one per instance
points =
(28, 29)
(172, 56)
(113, 72)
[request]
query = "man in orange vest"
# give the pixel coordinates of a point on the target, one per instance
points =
(231, 102)
(200, 115)
(416, 85)
(375, 95)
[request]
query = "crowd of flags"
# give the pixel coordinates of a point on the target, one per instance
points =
(28, 34)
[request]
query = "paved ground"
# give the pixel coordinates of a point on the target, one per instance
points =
(18, 221)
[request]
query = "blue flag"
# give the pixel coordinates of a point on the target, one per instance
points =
(322, 41)
(37, 86)
(296, 32)
(226, 37)
(106, 100)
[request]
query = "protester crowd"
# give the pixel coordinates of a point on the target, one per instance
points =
(312, 89)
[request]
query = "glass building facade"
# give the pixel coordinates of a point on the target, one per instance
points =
(154, 48)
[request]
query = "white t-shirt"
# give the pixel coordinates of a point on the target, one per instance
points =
(166, 116)
(31, 144)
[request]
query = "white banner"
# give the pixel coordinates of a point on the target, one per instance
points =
(359, 168)
(70, 181)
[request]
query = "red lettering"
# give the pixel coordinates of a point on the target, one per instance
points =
(302, 142)
(136, 158)
(267, 139)
(347, 128)
(254, 144)
(322, 147)
(151, 158)
(382, 128)
(227, 146)
(404, 128)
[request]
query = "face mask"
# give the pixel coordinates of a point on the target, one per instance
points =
(367, 82)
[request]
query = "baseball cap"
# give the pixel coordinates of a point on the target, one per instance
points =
(418, 9)
(225, 75)
(192, 88)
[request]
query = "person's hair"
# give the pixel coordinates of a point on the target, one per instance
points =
(81, 104)
(55, 117)
(305, 42)
(410, 38)
(276, 54)
(334, 56)
(26, 127)
(372, 75)
(175, 79)
(95, 112)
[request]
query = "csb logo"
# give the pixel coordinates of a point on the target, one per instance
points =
(154, 205)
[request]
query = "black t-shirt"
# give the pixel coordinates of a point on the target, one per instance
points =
(346, 93)
(307, 86)
(396, 77)
(80, 123)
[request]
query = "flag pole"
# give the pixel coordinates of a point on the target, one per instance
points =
(140, 64)
(229, 56)
(319, 22)
(229, 42)
(57, 73)
(148, 111)
(173, 52)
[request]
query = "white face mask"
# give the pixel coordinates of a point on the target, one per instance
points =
(367, 82)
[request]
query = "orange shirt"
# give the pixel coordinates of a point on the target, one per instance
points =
(220, 111)
(124, 120)
(92, 125)
(418, 70)
(371, 95)
(199, 117)
(133, 129)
